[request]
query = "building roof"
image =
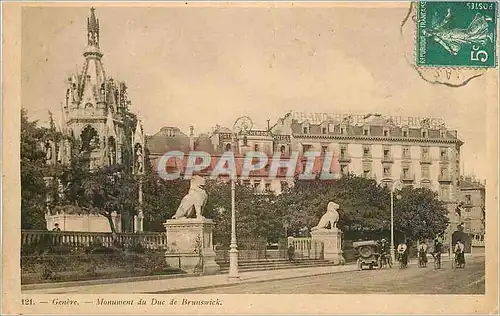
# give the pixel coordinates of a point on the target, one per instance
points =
(167, 139)
(468, 183)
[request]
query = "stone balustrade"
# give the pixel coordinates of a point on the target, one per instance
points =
(306, 247)
(77, 240)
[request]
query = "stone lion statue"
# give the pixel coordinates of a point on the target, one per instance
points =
(330, 217)
(195, 199)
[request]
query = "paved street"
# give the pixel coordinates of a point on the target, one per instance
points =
(412, 280)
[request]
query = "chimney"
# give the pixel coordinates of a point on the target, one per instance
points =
(191, 137)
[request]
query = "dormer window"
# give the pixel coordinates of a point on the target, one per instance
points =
(442, 133)
(331, 128)
(366, 131)
(405, 132)
(386, 132)
(342, 130)
(323, 130)
(424, 133)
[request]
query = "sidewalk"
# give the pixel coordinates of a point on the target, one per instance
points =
(196, 282)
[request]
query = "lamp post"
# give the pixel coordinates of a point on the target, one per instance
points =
(242, 124)
(393, 249)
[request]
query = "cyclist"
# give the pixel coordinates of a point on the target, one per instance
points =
(438, 248)
(384, 250)
(459, 252)
(422, 254)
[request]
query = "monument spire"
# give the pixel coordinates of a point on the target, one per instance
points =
(93, 29)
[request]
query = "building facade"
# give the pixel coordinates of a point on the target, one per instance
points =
(418, 152)
(472, 210)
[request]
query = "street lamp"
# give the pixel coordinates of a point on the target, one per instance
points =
(393, 249)
(241, 125)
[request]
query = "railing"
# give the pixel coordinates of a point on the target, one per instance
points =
(387, 159)
(407, 177)
(79, 240)
(306, 248)
(248, 250)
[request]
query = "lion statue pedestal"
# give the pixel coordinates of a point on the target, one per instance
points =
(190, 240)
(332, 236)
(190, 245)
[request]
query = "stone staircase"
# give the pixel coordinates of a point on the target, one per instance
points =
(274, 264)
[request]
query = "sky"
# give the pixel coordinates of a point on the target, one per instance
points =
(206, 66)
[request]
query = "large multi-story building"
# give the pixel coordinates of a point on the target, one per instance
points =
(472, 210)
(420, 152)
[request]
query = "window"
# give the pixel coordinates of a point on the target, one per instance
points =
(342, 130)
(282, 149)
(406, 172)
(444, 171)
(367, 170)
(425, 171)
(443, 192)
(324, 149)
(468, 200)
(305, 129)
(331, 128)
(366, 152)
(256, 147)
(387, 171)
(387, 153)
(443, 133)
(323, 130)
(228, 147)
(386, 132)
(425, 153)
(343, 152)
(424, 133)
(245, 141)
(344, 169)
(426, 185)
(444, 154)
(306, 148)
(405, 132)
(406, 152)
(366, 131)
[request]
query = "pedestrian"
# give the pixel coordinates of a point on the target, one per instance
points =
(291, 253)
(403, 253)
(56, 228)
(459, 251)
(422, 253)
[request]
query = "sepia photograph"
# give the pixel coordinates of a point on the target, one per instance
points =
(252, 148)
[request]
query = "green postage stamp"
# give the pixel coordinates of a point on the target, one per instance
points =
(456, 34)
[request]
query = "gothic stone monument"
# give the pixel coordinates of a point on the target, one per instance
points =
(331, 237)
(190, 240)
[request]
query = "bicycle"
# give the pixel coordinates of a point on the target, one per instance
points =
(402, 263)
(384, 261)
(437, 260)
(422, 262)
(456, 264)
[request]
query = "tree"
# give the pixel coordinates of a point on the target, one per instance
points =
(419, 214)
(34, 188)
(161, 199)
